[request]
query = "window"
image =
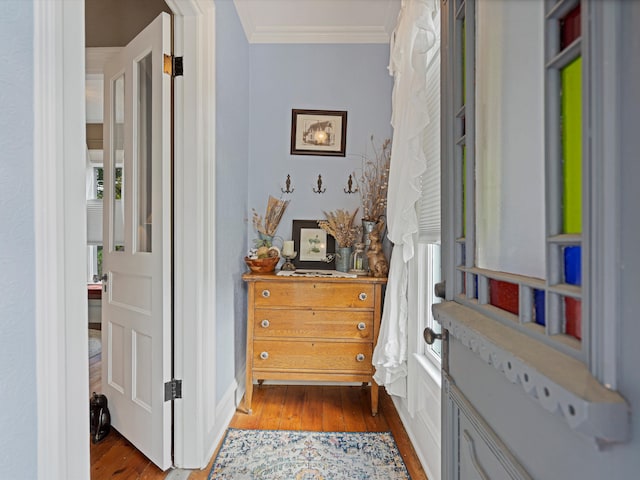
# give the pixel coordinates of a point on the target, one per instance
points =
(428, 208)
(561, 304)
(527, 242)
(517, 257)
(94, 214)
(95, 190)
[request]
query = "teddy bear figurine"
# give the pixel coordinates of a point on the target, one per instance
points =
(378, 264)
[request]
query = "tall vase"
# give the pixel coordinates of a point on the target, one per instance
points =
(367, 228)
(342, 258)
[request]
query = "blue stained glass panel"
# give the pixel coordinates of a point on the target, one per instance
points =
(538, 301)
(573, 265)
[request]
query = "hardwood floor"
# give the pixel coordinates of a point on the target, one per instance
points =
(275, 407)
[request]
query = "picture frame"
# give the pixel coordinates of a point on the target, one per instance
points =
(313, 244)
(318, 132)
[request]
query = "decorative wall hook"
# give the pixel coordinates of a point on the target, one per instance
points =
(287, 184)
(350, 185)
(320, 189)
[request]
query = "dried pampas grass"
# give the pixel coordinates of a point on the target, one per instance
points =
(272, 217)
(374, 181)
(340, 225)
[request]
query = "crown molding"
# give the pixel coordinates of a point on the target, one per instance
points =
(321, 34)
(319, 31)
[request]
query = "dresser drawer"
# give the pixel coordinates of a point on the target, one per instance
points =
(317, 356)
(314, 294)
(313, 324)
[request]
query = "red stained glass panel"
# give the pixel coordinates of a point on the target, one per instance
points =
(504, 295)
(573, 316)
(570, 27)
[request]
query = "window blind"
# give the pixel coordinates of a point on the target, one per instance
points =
(429, 203)
(94, 222)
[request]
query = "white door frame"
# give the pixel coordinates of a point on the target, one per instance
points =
(198, 425)
(60, 228)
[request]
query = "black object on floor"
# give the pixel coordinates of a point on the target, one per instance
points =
(100, 418)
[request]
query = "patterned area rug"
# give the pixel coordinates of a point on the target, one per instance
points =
(295, 455)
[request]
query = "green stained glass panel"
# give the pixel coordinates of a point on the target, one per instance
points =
(572, 146)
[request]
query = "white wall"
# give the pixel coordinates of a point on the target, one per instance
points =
(18, 427)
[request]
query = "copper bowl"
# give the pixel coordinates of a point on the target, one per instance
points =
(262, 265)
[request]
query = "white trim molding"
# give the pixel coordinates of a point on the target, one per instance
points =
(559, 383)
(328, 34)
(60, 231)
(197, 423)
(314, 21)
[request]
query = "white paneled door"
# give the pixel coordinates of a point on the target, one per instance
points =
(136, 301)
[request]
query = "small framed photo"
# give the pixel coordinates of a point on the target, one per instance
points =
(318, 132)
(314, 246)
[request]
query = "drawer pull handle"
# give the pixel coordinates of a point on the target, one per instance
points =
(264, 355)
(266, 293)
(362, 326)
(265, 323)
(362, 296)
(360, 357)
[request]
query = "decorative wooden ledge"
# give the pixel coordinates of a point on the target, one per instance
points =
(561, 384)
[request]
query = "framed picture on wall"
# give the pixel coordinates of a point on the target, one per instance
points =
(318, 132)
(314, 246)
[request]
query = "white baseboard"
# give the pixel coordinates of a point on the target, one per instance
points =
(225, 410)
(422, 450)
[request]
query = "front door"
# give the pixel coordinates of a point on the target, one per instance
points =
(136, 306)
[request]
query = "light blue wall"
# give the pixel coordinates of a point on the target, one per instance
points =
(232, 156)
(257, 86)
(324, 77)
(18, 434)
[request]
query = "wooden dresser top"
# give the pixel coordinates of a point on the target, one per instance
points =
(273, 277)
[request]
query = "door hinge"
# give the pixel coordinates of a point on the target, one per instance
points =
(173, 66)
(172, 390)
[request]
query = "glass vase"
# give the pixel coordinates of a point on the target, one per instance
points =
(356, 262)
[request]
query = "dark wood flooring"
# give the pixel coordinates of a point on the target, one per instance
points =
(284, 407)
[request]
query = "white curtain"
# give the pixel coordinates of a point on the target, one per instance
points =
(413, 39)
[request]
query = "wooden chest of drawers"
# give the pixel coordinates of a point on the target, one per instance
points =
(312, 328)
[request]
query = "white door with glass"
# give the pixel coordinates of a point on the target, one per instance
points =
(136, 300)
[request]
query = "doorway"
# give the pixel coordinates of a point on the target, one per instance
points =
(61, 289)
(136, 234)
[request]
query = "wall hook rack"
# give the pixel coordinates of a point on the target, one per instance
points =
(350, 186)
(320, 189)
(287, 184)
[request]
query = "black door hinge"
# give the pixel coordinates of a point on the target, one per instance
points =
(173, 66)
(172, 390)
(177, 67)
